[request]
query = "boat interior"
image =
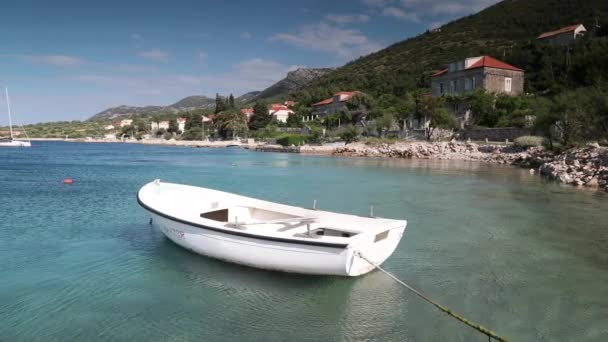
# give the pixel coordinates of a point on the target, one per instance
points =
(258, 220)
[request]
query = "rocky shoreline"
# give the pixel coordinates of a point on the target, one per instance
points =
(586, 166)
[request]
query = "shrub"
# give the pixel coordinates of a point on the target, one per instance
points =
(377, 141)
(167, 135)
(291, 139)
(528, 141)
(349, 134)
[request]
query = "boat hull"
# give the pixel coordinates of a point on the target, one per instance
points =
(15, 143)
(275, 255)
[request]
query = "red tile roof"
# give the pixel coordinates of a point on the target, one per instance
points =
(277, 106)
(439, 73)
(324, 102)
(348, 95)
(489, 62)
(247, 111)
(484, 62)
(560, 31)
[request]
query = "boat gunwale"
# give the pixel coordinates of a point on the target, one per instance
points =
(240, 233)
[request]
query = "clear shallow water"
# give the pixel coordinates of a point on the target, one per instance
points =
(524, 257)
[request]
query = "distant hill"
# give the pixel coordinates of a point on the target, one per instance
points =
(498, 31)
(248, 97)
(187, 103)
(294, 81)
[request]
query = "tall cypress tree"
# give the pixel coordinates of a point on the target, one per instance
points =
(231, 102)
(220, 103)
(260, 117)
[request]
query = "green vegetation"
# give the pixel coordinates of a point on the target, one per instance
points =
(529, 141)
(291, 139)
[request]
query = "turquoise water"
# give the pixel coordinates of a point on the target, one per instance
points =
(524, 257)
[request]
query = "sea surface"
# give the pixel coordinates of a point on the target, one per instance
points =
(525, 257)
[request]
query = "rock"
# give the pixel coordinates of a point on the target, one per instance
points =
(593, 183)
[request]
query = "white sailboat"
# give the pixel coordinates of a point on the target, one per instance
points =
(269, 235)
(10, 141)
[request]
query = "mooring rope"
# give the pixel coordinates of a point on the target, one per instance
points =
(449, 312)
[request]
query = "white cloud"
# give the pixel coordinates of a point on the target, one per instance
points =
(347, 18)
(400, 14)
(346, 43)
(245, 35)
(57, 60)
(375, 3)
(202, 56)
(248, 75)
(156, 55)
(132, 68)
(449, 7)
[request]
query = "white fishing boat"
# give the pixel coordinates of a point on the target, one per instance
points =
(269, 235)
(10, 141)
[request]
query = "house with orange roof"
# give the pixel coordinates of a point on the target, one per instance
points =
(280, 111)
(563, 36)
(465, 76)
(332, 105)
(248, 112)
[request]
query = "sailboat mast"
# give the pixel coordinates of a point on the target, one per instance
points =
(10, 120)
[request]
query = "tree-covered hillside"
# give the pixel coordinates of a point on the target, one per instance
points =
(499, 31)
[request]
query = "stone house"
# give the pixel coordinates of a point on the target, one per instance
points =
(564, 36)
(332, 105)
(126, 122)
(465, 76)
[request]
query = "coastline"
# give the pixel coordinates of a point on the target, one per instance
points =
(584, 167)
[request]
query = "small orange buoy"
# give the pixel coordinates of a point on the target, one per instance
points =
(68, 181)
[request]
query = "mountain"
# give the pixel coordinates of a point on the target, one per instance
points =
(293, 82)
(187, 103)
(248, 97)
(499, 31)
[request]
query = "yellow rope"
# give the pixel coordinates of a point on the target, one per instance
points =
(475, 326)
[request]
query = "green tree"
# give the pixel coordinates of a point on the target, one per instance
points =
(220, 104)
(231, 102)
(260, 118)
(359, 106)
(231, 123)
(438, 115)
(384, 123)
(573, 118)
(349, 134)
(294, 120)
(482, 108)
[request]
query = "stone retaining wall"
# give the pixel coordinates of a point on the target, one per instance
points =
(495, 134)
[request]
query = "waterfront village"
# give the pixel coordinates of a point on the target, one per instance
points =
(477, 108)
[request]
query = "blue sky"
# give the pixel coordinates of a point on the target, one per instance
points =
(67, 59)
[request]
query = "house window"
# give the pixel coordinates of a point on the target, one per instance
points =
(508, 81)
(473, 85)
(441, 90)
(467, 84)
(456, 86)
(452, 86)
